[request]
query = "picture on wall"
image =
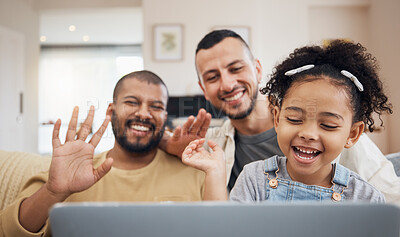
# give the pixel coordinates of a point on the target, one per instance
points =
(243, 31)
(168, 42)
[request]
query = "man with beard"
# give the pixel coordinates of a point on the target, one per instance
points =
(229, 76)
(133, 170)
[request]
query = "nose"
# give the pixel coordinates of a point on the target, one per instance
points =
(228, 82)
(309, 132)
(143, 112)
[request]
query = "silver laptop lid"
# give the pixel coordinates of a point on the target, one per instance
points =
(224, 219)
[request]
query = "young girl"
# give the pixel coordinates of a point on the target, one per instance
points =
(322, 99)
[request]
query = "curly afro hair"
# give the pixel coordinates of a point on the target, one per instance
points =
(329, 61)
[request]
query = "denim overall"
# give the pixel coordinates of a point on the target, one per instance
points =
(289, 190)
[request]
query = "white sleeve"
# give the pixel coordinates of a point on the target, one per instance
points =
(367, 160)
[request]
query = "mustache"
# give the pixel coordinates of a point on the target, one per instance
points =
(223, 93)
(140, 121)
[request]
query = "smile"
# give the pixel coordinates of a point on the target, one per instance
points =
(306, 153)
(140, 128)
(235, 97)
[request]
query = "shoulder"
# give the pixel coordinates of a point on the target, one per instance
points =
(225, 129)
(359, 189)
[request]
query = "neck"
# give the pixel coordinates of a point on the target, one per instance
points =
(322, 177)
(126, 160)
(258, 121)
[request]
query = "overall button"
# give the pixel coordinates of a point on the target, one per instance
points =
(273, 183)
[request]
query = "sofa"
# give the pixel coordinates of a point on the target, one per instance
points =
(15, 169)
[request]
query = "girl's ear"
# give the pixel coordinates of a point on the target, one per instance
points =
(276, 112)
(355, 132)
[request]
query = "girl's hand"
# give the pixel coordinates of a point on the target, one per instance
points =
(196, 156)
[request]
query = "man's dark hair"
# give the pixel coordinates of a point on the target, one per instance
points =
(143, 75)
(216, 36)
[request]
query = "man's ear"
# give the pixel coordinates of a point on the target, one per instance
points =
(258, 70)
(166, 115)
(110, 109)
(276, 112)
(355, 132)
(202, 88)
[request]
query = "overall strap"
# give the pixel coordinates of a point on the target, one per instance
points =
(341, 175)
(271, 164)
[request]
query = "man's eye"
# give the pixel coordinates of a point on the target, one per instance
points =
(236, 69)
(292, 120)
(157, 107)
(211, 78)
(131, 102)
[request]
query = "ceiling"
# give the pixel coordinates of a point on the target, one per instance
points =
(103, 26)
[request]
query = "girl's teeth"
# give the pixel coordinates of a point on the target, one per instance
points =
(312, 153)
(235, 97)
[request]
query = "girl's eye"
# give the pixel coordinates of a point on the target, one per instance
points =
(329, 127)
(294, 121)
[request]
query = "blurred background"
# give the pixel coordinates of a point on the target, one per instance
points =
(57, 54)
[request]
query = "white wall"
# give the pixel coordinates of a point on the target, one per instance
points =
(385, 38)
(19, 16)
(198, 18)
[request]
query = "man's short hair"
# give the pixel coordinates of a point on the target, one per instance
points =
(216, 36)
(144, 75)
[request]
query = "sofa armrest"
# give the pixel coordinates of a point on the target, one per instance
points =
(15, 169)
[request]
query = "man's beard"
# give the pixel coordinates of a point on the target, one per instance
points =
(136, 147)
(245, 113)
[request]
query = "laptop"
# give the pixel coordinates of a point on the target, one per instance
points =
(204, 219)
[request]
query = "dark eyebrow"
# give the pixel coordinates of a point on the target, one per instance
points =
(329, 114)
(157, 102)
(234, 62)
(153, 101)
(130, 97)
(294, 108)
(215, 70)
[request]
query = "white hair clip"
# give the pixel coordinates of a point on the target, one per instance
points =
(299, 69)
(353, 79)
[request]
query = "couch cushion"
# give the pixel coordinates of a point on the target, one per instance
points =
(395, 159)
(15, 169)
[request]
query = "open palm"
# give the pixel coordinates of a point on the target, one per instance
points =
(71, 168)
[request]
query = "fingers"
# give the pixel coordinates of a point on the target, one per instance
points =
(192, 147)
(103, 169)
(86, 127)
(214, 146)
(187, 125)
(56, 131)
(177, 132)
(206, 124)
(198, 122)
(97, 136)
(72, 125)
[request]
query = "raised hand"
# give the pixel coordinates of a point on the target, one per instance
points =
(71, 168)
(213, 164)
(196, 156)
(192, 129)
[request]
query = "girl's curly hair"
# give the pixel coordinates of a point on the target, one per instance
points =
(329, 61)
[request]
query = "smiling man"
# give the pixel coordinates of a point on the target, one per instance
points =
(133, 170)
(229, 76)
